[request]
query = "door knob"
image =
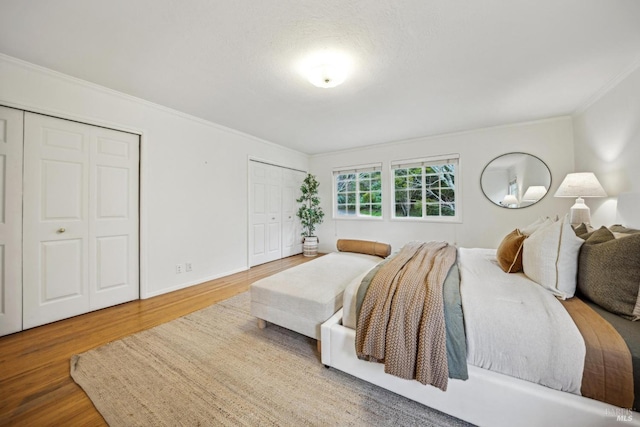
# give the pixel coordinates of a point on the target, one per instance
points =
(61, 230)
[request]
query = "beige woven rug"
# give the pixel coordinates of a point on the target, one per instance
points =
(215, 367)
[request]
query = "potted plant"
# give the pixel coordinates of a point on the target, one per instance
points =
(310, 214)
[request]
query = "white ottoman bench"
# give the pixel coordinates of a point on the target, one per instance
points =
(303, 297)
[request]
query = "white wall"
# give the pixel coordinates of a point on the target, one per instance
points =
(483, 223)
(194, 173)
(607, 142)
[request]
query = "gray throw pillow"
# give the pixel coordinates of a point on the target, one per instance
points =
(609, 272)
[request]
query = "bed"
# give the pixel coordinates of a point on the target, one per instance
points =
(492, 395)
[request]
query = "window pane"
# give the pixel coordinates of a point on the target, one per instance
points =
(448, 180)
(433, 196)
(402, 210)
(433, 210)
(416, 209)
(351, 186)
(449, 210)
(376, 210)
(436, 183)
(415, 195)
(351, 198)
(365, 185)
(401, 196)
(448, 196)
(365, 210)
(432, 180)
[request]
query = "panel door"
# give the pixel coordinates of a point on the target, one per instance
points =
(80, 221)
(274, 213)
(56, 227)
(291, 229)
(258, 213)
(11, 125)
(113, 218)
(265, 239)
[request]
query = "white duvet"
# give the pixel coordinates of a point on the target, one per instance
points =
(516, 327)
(513, 325)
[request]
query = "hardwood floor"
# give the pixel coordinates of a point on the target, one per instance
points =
(35, 386)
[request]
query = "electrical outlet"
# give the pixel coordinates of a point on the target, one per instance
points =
(187, 267)
(178, 268)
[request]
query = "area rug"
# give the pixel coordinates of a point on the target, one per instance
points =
(215, 367)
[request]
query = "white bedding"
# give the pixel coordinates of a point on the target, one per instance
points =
(530, 345)
(516, 327)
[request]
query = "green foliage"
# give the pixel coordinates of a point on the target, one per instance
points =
(310, 213)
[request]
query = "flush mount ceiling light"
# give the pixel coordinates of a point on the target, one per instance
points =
(326, 69)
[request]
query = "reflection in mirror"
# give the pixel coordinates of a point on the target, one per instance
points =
(515, 180)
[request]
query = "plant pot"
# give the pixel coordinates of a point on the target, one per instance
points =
(310, 246)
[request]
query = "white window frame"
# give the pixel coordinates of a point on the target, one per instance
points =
(373, 167)
(453, 158)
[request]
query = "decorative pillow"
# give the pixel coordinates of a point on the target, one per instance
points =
(539, 223)
(581, 229)
(509, 253)
(364, 247)
(617, 228)
(609, 272)
(550, 257)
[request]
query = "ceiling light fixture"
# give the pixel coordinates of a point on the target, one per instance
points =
(326, 69)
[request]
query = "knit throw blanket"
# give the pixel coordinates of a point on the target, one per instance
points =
(401, 321)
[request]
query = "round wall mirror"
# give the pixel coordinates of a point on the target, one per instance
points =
(515, 180)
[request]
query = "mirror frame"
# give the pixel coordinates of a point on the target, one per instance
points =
(499, 204)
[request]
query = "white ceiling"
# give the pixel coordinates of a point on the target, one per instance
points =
(421, 67)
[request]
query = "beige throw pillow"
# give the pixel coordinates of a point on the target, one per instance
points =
(550, 257)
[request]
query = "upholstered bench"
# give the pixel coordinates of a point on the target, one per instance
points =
(303, 297)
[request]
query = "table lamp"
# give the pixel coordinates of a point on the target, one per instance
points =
(580, 184)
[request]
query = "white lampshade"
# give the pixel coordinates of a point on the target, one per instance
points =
(534, 193)
(580, 184)
(509, 199)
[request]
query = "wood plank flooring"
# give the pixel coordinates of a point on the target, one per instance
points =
(35, 386)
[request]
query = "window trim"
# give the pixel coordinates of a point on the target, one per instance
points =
(371, 167)
(421, 162)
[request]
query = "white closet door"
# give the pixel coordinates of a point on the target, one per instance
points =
(11, 124)
(291, 229)
(113, 214)
(274, 229)
(80, 219)
(265, 213)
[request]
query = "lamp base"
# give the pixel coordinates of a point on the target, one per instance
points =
(580, 213)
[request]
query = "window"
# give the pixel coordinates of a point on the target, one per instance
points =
(426, 188)
(358, 192)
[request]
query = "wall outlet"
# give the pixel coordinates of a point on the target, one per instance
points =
(178, 268)
(187, 267)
